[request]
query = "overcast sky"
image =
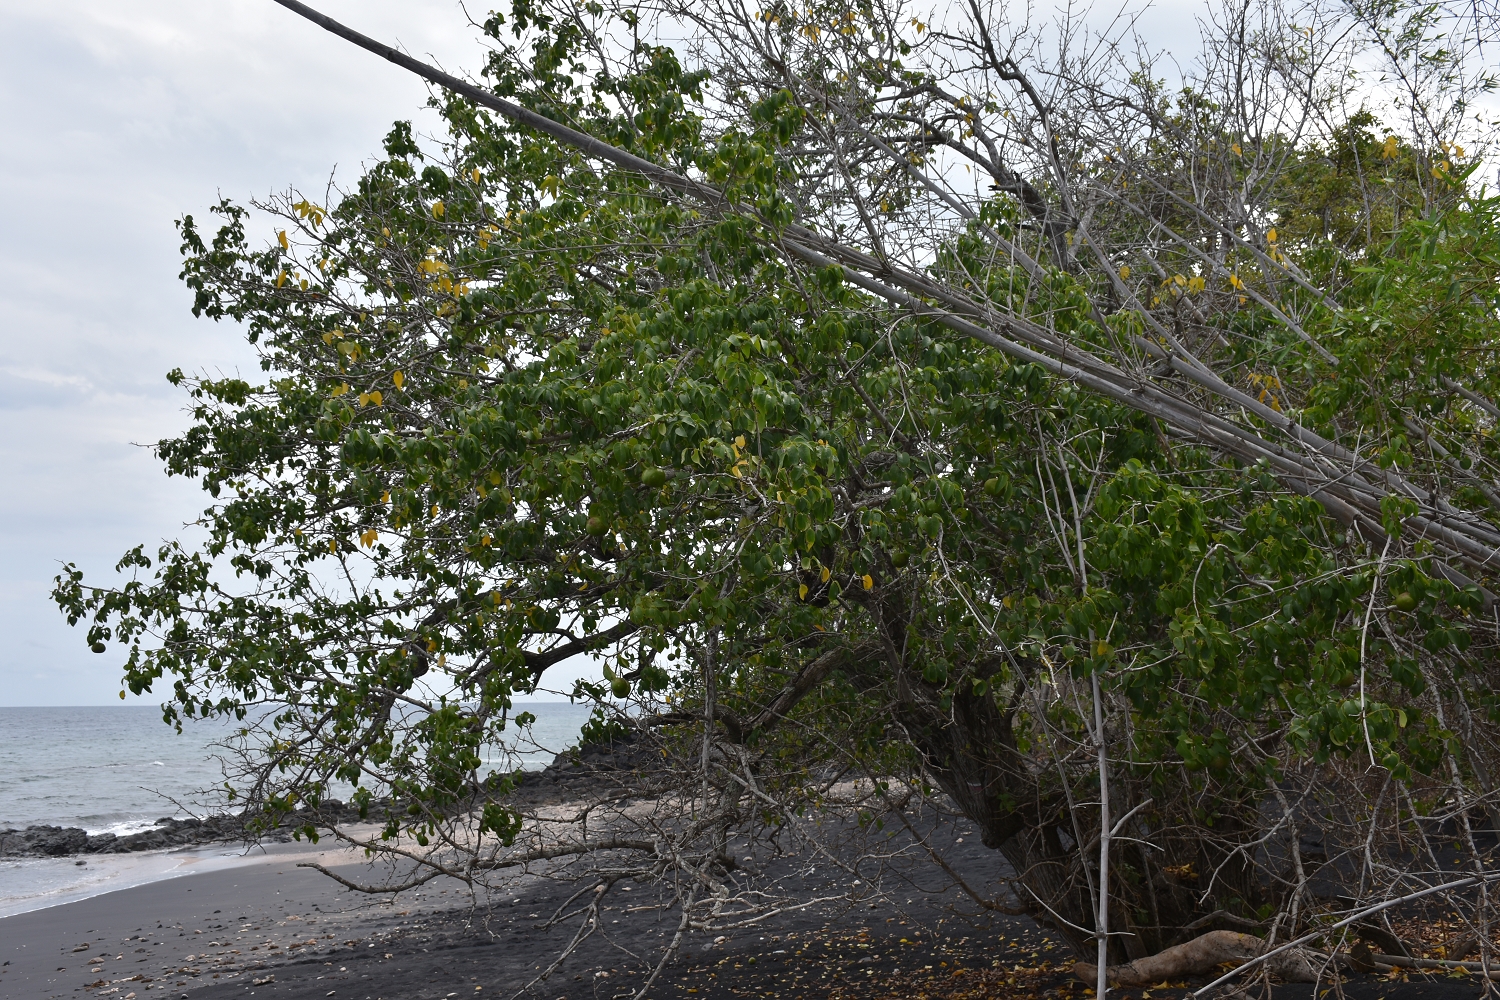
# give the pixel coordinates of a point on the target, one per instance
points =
(118, 117)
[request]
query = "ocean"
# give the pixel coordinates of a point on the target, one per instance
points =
(117, 769)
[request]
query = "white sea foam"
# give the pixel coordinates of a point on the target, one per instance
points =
(125, 828)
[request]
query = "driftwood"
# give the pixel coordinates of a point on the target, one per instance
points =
(1202, 955)
(1385, 963)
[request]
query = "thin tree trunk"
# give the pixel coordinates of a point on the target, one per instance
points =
(1101, 923)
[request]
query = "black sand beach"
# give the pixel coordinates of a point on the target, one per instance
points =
(268, 928)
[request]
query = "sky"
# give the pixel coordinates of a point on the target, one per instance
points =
(120, 116)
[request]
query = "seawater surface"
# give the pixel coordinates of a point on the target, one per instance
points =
(118, 769)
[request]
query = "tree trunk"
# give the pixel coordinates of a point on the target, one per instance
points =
(1202, 955)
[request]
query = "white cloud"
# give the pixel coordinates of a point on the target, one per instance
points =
(122, 115)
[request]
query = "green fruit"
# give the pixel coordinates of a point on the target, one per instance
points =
(97, 647)
(654, 478)
(900, 558)
(620, 686)
(992, 487)
(1348, 679)
(1219, 762)
(1406, 602)
(596, 526)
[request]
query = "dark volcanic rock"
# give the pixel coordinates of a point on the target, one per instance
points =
(57, 841)
(626, 759)
(43, 841)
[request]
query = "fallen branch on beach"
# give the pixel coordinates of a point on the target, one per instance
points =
(1202, 955)
(1386, 963)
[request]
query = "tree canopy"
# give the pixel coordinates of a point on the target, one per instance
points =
(965, 411)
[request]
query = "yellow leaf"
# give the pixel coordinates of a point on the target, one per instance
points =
(1235, 149)
(477, 175)
(333, 546)
(340, 389)
(739, 442)
(1102, 648)
(434, 510)
(376, 397)
(437, 210)
(484, 539)
(825, 575)
(385, 497)
(1124, 272)
(802, 592)
(1271, 235)
(868, 581)
(1008, 601)
(399, 379)
(281, 238)
(281, 279)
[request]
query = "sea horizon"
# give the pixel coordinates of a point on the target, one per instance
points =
(119, 769)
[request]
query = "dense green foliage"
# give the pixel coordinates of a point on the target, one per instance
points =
(517, 408)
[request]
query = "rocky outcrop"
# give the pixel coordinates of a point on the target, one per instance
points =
(626, 759)
(58, 841)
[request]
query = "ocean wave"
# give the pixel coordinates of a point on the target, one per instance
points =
(125, 828)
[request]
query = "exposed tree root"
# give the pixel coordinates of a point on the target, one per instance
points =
(1201, 955)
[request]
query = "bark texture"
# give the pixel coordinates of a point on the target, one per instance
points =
(1202, 955)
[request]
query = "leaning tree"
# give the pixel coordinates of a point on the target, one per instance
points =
(891, 403)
